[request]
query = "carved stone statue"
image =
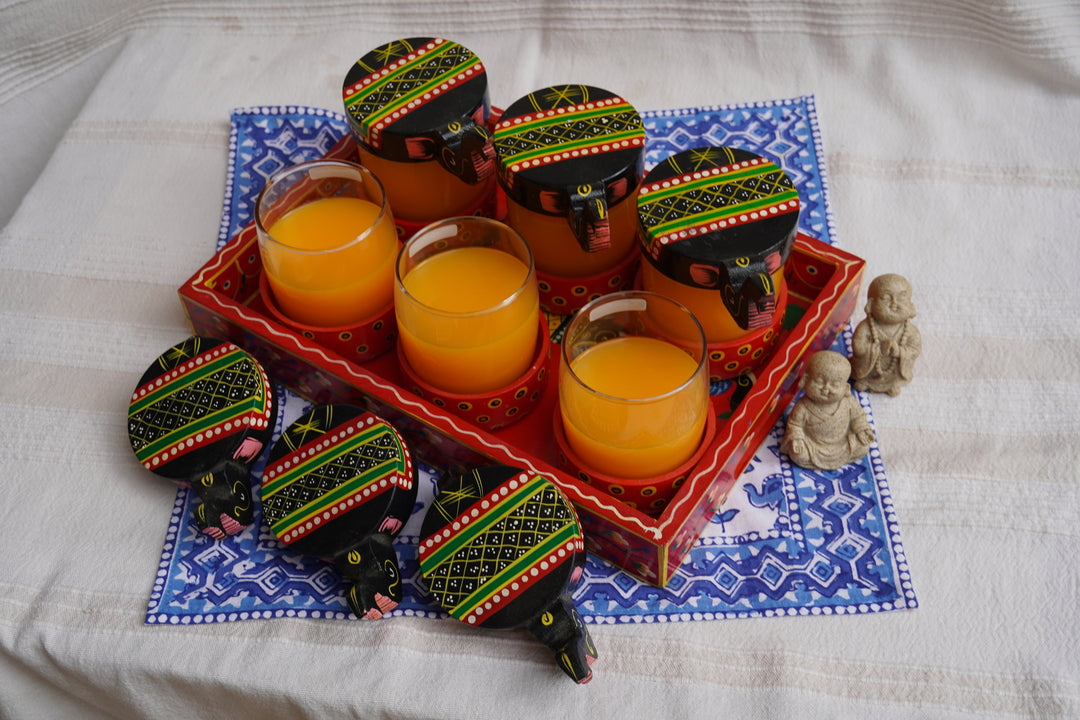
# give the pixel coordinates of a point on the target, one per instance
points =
(827, 427)
(886, 343)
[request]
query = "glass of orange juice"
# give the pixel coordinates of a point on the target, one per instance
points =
(467, 305)
(327, 242)
(633, 385)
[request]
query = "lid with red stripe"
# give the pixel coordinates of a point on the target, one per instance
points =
(201, 402)
(571, 150)
(419, 99)
(335, 476)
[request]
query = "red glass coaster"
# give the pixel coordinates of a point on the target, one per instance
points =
(649, 495)
(498, 408)
(361, 342)
(564, 295)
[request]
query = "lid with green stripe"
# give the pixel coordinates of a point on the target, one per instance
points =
(718, 217)
(571, 150)
(501, 547)
(334, 477)
(419, 99)
(200, 415)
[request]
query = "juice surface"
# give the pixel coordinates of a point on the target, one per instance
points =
(475, 335)
(325, 287)
(618, 432)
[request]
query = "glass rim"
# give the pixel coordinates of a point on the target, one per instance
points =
(437, 225)
(384, 205)
(647, 295)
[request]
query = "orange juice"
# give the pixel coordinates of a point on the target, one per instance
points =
(468, 319)
(333, 262)
(639, 409)
(706, 303)
(557, 252)
(424, 191)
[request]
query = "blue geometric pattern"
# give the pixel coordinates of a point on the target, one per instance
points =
(787, 541)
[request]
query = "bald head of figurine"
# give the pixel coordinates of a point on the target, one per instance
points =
(826, 376)
(889, 299)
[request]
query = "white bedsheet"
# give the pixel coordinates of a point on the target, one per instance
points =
(950, 130)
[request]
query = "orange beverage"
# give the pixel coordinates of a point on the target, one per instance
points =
(468, 315)
(569, 161)
(556, 249)
(425, 191)
(418, 108)
(329, 259)
(705, 303)
(716, 225)
(633, 404)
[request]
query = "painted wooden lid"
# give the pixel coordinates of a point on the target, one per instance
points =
(571, 150)
(422, 98)
(336, 475)
(719, 217)
(201, 402)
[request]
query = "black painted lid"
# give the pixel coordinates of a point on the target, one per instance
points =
(335, 476)
(563, 144)
(719, 217)
(201, 402)
(419, 99)
(499, 545)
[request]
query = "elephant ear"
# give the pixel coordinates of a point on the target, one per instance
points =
(370, 569)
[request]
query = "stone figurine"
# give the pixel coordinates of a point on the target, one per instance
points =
(886, 343)
(827, 427)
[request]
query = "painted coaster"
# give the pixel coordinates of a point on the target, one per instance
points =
(499, 408)
(200, 414)
(735, 358)
(502, 548)
(338, 485)
(563, 295)
(648, 495)
(361, 343)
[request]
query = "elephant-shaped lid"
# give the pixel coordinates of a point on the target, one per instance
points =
(721, 218)
(201, 413)
(339, 484)
(572, 150)
(502, 548)
(422, 98)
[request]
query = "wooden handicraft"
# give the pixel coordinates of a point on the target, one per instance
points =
(569, 160)
(339, 485)
(222, 299)
(418, 109)
(199, 416)
(502, 548)
(717, 225)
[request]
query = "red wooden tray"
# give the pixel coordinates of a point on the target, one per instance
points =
(222, 299)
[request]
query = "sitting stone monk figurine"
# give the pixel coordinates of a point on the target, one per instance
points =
(827, 427)
(886, 344)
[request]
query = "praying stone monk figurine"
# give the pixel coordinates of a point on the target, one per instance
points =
(886, 344)
(827, 427)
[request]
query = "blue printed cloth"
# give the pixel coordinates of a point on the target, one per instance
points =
(787, 541)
